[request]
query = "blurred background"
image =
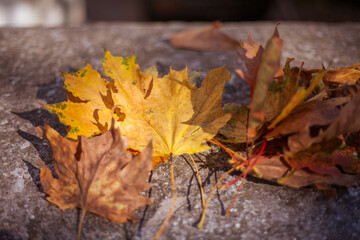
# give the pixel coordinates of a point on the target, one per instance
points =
(51, 13)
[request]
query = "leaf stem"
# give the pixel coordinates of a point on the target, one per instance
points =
(81, 223)
(246, 133)
(283, 179)
(171, 211)
(236, 195)
(228, 150)
(200, 183)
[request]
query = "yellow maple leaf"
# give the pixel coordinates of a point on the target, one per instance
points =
(86, 90)
(177, 116)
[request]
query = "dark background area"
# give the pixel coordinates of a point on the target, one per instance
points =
(224, 10)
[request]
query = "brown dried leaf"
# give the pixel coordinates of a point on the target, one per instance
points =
(274, 169)
(235, 128)
(337, 77)
(97, 175)
(296, 100)
(280, 91)
(261, 67)
(313, 113)
(251, 54)
(340, 76)
(271, 88)
(344, 91)
(323, 158)
(345, 123)
(269, 65)
(204, 39)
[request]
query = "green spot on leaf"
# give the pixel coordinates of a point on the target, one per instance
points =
(276, 87)
(83, 73)
(126, 62)
(60, 114)
(150, 111)
(74, 130)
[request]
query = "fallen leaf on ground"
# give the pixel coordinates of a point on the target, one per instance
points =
(281, 90)
(347, 75)
(268, 94)
(251, 54)
(345, 123)
(235, 129)
(324, 164)
(313, 113)
(346, 90)
(83, 104)
(274, 169)
(269, 65)
(205, 39)
(170, 110)
(296, 100)
(97, 175)
(338, 77)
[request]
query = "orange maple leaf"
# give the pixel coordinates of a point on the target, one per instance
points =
(97, 175)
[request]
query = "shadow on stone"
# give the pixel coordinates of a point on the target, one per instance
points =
(218, 195)
(164, 68)
(190, 184)
(261, 181)
(7, 235)
(52, 92)
(45, 155)
(188, 193)
(35, 174)
(41, 146)
(38, 117)
(207, 181)
(142, 220)
(129, 233)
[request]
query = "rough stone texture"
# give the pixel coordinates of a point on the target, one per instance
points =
(30, 65)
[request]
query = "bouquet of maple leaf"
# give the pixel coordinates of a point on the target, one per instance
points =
(308, 131)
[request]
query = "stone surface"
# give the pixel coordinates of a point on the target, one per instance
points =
(30, 65)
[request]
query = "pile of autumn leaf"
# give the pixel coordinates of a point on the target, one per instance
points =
(301, 127)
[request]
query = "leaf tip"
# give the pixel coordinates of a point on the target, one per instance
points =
(249, 39)
(88, 65)
(107, 53)
(40, 130)
(276, 32)
(216, 24)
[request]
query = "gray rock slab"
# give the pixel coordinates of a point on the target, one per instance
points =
(30, 64)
